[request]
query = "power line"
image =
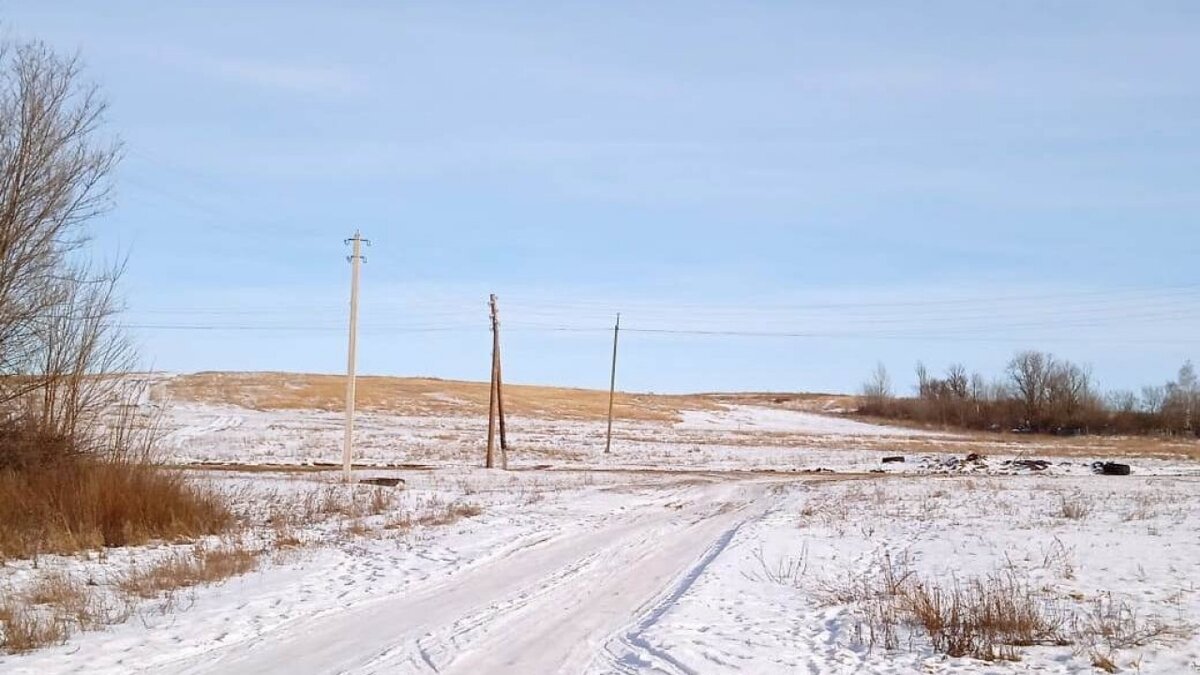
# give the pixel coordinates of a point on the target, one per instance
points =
(847, 335)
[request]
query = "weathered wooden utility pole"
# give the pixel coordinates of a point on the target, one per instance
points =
(496, 397)
(612, 385)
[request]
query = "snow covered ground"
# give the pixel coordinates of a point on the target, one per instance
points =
(696, 547)
(740, 437)
(764, 606)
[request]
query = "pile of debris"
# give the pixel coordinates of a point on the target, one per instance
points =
(977, 463)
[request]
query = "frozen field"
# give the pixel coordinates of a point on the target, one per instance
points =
(709, 543)
(734, 437)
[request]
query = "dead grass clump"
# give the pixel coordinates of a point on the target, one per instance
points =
(1074, 507)
(1114, 624)
(200, 566)
(449, 514)
(984, 618)
(1109, 625)
(1144, 507)
(345, 502)
(1105, 662)
(357, 527)
(94, 503)
(24, 628)
(52, 608)
(60, 502)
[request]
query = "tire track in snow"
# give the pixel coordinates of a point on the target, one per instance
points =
(548, 608)
(560, 626)
(627, 652)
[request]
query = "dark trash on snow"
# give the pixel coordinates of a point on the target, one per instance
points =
(1110, 468)
(383, 482)
(1031, 464)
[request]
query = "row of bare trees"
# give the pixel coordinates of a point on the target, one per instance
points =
(60, 346)
(1038, 392)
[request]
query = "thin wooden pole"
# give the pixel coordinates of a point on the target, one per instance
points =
(490, 458)
(612, 385)
(499, 385)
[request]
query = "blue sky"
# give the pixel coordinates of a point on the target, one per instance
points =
(887, 181)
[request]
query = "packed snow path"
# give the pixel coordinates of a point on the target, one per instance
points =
(562, 604)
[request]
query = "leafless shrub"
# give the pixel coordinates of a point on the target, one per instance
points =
(74, 465)
(1114, 624)
(786, 571)
(886, 576)
(877, 392)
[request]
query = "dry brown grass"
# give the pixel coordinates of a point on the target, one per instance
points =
(987, 617)
(57, 604)
(356, 512)
(984, 618)
(449, 514)
(1109, 624)
(419, 396)
(200, 566)
(23, 628)
(52, 608)
(83, 503)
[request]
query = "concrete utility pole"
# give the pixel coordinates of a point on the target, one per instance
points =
(612, 385)
(356, 260)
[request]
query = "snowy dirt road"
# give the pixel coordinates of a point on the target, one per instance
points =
(571, 602)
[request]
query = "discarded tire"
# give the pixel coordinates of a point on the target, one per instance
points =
(383, 482)
(1111, 469)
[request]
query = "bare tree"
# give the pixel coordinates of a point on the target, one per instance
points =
(979, 388)
(957, 381)
(1029, 372)
(1068, 390)
(58, 342)
(923, 389)
(1152, 399)
(1181, 404)
(877, 391)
